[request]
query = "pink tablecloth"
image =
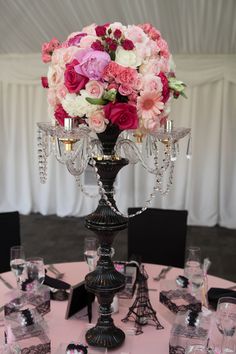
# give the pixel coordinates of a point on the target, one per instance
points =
(152, 341)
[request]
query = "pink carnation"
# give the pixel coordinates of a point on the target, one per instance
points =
(48, 48)
(164, 50)
(127, 76)
(111, 71)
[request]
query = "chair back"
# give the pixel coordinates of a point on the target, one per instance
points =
(10, 236)
(158, 236)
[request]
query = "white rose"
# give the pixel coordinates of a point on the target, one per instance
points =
(127, 58)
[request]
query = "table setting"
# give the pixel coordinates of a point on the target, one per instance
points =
(213, 325)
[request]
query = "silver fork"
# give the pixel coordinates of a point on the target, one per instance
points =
(55, 271)
(8, 285)
(162, 273)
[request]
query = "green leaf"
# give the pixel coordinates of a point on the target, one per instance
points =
(98, 101)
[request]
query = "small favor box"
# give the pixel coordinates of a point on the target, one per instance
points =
(39, 300)
(28, 329)
(179, 300)
(189, 328)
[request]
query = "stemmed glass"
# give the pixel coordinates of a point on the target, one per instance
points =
(192, 261)
(35, 271)
(17, 262)
(226, 323)
(90, 252)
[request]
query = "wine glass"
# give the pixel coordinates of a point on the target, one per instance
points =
(226, 323)
(196, 349)
(35, 271)
(192, 261)
(17, 262)
(90, 252)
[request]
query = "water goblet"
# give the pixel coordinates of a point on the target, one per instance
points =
(17, 262)
(35, 272)
(90, 252)
(226, 323)
(196, 349)
(192, 261)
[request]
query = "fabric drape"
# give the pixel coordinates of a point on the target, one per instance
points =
(205, 185)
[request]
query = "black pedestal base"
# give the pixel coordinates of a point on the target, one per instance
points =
(105, 336)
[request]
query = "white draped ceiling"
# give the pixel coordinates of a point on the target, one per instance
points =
(202, 36)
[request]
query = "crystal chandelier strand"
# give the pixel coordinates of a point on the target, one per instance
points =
(156, 187)
(77, 178)
(43, 151)
(134, 156)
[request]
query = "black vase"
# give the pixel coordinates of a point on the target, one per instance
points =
(105, 281)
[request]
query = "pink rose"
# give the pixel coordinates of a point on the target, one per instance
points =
(122, 114)
(60, 114)
(164, 50)
(74, 81)
(97, 122)
(94, 88)
(62, 56)
(61, 91)
(90, 29)
(125, 89)
(92, 63)
(55, 75)
(151, 83)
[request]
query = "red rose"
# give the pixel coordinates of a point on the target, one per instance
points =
(122, 114)
(60, 114)
(100, 31)
(97, 46)
(113, 46)
(127, 44)
(44, 81)
(74, 82)
(117, 33)
(165, 90)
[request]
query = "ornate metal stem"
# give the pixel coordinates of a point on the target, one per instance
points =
(105, 281)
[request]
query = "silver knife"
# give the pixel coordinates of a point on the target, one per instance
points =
(162, 273)
(8, 285)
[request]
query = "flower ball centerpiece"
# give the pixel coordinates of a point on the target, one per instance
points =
(102, 82)
(111, 75)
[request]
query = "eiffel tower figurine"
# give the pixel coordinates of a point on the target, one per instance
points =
(141, 312)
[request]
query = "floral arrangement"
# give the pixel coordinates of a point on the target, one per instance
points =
(111, 74)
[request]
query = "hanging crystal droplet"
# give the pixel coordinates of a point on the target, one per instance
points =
(173, 156)
(189, 147)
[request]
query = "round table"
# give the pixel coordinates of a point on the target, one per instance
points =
(152, 341)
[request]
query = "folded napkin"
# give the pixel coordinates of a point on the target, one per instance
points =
(214, 294)
(56, 283)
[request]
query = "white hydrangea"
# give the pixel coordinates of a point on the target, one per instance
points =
(78, 106)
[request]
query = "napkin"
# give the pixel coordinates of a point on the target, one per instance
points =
(56, 283)
(214, 294)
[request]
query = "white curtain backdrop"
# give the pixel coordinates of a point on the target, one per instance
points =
(205, 185)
